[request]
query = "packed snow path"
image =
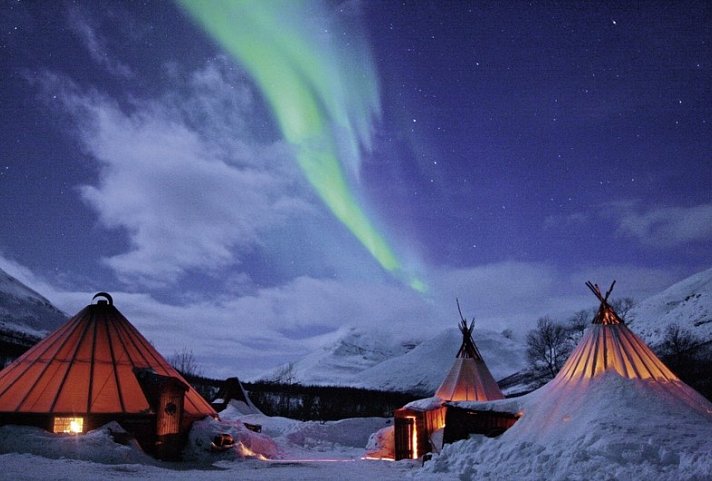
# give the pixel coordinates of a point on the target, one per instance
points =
(27, 467)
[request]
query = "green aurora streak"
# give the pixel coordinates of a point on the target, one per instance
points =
(323, 96)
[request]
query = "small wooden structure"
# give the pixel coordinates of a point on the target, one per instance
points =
(414, 427)
(461, 421)
(166, 395)
(98, 368)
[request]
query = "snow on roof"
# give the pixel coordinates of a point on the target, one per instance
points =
(425, 404)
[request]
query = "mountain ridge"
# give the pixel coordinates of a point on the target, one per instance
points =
(24, 310)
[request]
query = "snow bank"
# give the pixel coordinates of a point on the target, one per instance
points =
(248, 444)
(325, 436)
(343, 439)
(236, 409)
(381, 444)
(613, 428)
(97, 445)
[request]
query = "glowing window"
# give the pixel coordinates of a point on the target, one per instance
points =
(412, 427)
(68, 425)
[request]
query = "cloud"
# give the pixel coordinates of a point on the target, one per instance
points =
(249, 334)
(81, 26)
(245, 335)
(179, 175)
(651, 225)
(665, 226)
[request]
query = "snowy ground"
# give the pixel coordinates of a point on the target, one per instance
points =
(302, 450)
(610, 429)
(21, 467)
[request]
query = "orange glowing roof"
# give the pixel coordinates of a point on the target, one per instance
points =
(613, 347)
(609, 346)
(468, 378)
(87, 367)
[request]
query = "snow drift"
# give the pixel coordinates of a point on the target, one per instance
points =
(97, 445)
(616, 428)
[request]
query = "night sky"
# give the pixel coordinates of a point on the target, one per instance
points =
(249, 181)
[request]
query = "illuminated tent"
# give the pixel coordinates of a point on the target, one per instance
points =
(609, 346)
(610, 376)
(97, 368)
(468, 378)
(418, 425)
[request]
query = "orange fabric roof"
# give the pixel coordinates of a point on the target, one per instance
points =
(609, 345)
(468, 378)
(87, 367)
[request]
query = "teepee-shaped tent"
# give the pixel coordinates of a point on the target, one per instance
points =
(609, 346)
(468, 378)
(610, 366)
(232, 393)
(97, 368)
(418, 426)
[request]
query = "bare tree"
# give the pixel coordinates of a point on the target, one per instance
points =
(547, 347)
(286, 374)
(679, 343)
(184, 362)
(623, 306)
(578, 323)
(684, 353)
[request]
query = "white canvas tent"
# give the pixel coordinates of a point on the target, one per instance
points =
(419, 425)
(609, 347)
(468, 378)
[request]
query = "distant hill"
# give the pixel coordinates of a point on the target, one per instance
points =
(687, 303)
(373, 360)
(25, 317)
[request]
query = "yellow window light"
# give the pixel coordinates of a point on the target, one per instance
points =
(68, 425)
(414, 437)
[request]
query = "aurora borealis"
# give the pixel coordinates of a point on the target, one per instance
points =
(323, 95)
(253, 178)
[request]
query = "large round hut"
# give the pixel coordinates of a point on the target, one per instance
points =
(98, 368)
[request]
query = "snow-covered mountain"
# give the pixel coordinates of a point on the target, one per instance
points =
(338, 361)
(424, 368)
(24, 310)
(687, 303)
(373, 360)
